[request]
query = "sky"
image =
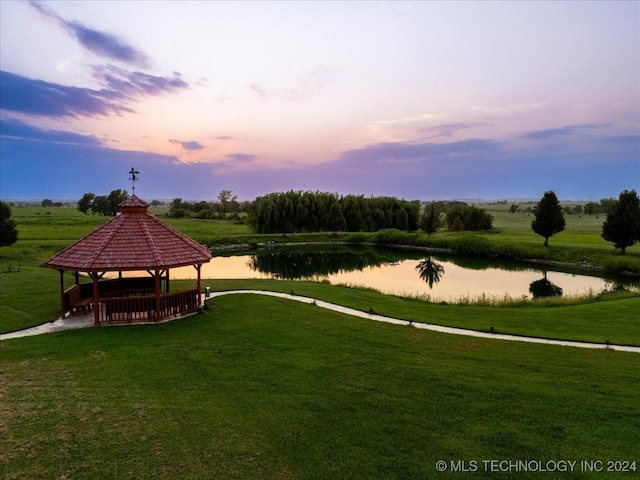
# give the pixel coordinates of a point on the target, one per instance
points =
(417, 100)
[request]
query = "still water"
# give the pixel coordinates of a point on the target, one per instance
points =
(404, 273)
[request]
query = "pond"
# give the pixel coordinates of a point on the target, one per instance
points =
(406, 273)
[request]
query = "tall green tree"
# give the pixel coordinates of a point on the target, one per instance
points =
(549, 218)
(431, 219)
(461, 216)
(226, 199)
(591, 208)
(8, 230)
(622, 226)
(86, 202)
(116, 197)
(100, 205)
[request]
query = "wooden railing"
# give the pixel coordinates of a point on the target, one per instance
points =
(142, 308)
(179, 303)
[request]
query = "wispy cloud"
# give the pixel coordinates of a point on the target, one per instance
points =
(20, 131)
(187, 145)
(99, 43)
(565, 131)
(136, 84)
(259, 90)
(311, 85)
(37, 97)
(398, 152)
(240, 157)
(447, 130)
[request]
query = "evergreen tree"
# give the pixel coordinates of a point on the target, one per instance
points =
(431, 220)
(549, 218)
(622, 226)
(8, 230)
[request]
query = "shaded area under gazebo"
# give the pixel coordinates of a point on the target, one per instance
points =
(136, 241)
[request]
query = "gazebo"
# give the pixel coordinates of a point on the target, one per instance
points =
(134, 241)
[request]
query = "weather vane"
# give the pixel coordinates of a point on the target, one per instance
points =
(133, 179)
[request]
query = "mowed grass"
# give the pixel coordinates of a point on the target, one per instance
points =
(582, 231)
(268, 388)
(614, 320)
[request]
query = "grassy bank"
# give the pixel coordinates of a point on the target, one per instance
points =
(268, 388)
(608, 319)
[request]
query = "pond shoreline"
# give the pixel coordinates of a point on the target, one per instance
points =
(578, 266)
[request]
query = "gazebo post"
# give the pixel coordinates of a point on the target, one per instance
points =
(96, 294)
(198, 285)
(62, 305)
(156, 278)
(166, 284)
(77, 275)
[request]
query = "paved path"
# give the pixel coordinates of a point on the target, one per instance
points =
(74, 322)
(70, 323)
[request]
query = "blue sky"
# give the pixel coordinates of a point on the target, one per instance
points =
(419, 100)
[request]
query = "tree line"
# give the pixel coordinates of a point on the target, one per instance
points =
(107, 205)
(102, 204)
(227, 205)
(604, 206)
(305, 211)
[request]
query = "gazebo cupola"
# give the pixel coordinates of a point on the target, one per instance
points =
(134, 241)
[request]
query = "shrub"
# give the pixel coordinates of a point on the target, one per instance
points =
(392, 236)
(178, 213)
(473, 245)
(358, 237)
(468, 217)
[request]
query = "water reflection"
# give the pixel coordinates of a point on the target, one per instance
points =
(294, 265)
(430, 271)
(404, 273)
(544, 288)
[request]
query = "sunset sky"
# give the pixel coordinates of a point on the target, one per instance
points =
(418, 100)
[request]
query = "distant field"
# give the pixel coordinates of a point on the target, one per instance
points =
(517, 226)
(66, 224)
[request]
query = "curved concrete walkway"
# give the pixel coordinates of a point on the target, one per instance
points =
(87, 321)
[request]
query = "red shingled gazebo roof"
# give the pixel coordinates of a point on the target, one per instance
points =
(134, 240)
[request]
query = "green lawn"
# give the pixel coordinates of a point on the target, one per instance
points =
(268, 388)
(259, 387)
(612, 319)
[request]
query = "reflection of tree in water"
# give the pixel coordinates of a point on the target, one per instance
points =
(430, 271)
(544, 288)
(617, 286)
(295, 265)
